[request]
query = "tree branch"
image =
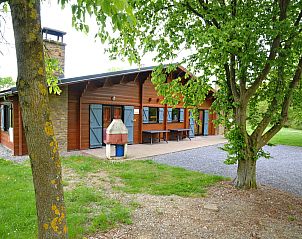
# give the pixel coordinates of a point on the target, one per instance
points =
(190, 8)
(286, 103)
(298, 19)
(252, 89)
(233, 78)
(283, 4)
(214, 21)
(231, 83)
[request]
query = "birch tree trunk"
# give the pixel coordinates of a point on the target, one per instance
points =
(33, 98)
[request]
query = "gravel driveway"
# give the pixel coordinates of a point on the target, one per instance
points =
(283, 170)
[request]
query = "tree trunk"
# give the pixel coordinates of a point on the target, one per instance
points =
(246, 173)
(33, 98)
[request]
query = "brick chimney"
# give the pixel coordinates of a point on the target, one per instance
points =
(55, 48)
(54, 45)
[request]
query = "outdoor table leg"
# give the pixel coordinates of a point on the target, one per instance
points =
(188, 135)
(158, 137)
(151, 138)
(165, 136)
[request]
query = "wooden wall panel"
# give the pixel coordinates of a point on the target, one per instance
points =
(149, 96)
(176, 125)
(136, 129)
(212, 128)
(153, 126)
(84, 127)
(125, 94)
(5, 140)
(207, 103)
(73, 135)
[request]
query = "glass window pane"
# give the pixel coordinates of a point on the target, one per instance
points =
(153, 115)
(175, 115)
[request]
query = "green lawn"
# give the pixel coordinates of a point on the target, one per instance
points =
(88, 209)
(146, 176)
(288, 136)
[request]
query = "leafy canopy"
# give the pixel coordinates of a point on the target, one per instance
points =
(6, 82)
(251, 48)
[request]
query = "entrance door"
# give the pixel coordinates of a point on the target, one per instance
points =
(110, 112)
(128, 121)
(199, 127)
(95, 125)
(192, 126)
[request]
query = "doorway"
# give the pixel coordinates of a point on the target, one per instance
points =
(110, 112)
(198, 128)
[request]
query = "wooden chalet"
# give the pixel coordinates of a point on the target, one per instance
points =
(88, 104)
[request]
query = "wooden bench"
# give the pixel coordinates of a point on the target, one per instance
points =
(156, 132)
(180, 132)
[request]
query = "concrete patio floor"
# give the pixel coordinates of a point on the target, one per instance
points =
(138, 151)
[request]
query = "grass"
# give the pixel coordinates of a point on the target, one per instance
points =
(88, 210)
(82, 165)
(288, 136)
(147, 177)
(17, 202)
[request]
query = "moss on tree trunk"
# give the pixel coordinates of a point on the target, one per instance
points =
(41, 142)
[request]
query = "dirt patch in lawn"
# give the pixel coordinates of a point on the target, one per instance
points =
(224, 213)
(263, 213)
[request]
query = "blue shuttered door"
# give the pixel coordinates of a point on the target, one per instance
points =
(192, 124)
(160, 115)
(95, 125)
(169, 120)
(128, 121)
(145, 115)
(205, 122)
(181, 115)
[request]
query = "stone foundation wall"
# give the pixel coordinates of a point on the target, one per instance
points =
(59, 116)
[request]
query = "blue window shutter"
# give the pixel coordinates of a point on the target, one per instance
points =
(181, 115)
(96, 125)
(9, 115)
(128, 121)
(2, 117)
(145, 115)
(169, 120)
(206, 122)
(160, 115)
(192, 124)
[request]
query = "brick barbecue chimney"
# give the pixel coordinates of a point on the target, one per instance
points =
(54, 45)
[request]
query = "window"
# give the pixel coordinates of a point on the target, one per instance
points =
(153, 115)
(6, 117)
(175, 115)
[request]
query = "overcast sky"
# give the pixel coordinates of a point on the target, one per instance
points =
(84, 55)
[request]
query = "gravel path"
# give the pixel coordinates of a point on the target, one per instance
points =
(283, 170)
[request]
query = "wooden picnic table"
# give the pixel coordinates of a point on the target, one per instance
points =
(180, 132)
(156, 132)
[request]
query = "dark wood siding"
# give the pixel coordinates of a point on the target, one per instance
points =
(5, 140)
(149, 96)
(73, 135)
(20, 147)
(125, 94)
